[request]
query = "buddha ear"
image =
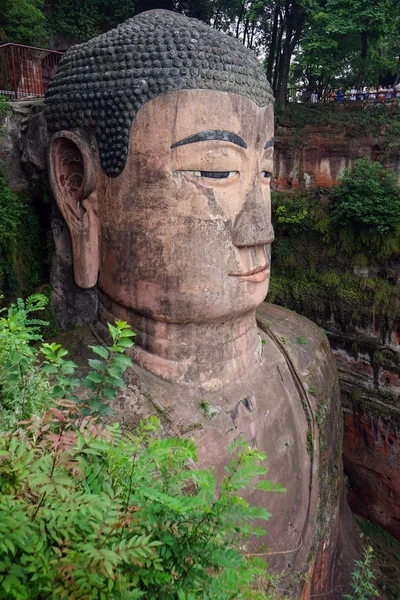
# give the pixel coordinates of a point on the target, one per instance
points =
(73, 184)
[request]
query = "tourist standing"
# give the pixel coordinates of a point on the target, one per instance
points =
(381, 93)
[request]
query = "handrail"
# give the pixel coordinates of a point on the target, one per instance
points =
(31, 48)
(25, 71)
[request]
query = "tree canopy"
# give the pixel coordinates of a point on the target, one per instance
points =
(23, 22)
(306, 43)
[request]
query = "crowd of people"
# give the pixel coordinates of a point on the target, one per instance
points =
(365, 93)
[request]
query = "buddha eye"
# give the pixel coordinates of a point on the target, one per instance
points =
(266, 174)
(213, 174)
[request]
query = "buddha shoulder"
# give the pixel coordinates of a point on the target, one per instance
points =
(302, 341)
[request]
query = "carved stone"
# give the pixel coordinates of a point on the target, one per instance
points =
(161, 170)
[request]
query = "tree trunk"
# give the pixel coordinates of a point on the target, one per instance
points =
(278, 51)
(239, 19)
(253, 27)
(217, 14)
(246, 29)
(364, 45)
(283, 76)
(397, 78)
(295, 21)
(271, 56)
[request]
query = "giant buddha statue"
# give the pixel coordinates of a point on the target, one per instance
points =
(160, 161)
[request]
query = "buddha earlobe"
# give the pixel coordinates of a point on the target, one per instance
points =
(73, 184)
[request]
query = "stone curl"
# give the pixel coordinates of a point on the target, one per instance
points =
(101, 84)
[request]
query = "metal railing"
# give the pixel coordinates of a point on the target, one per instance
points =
(25, 71)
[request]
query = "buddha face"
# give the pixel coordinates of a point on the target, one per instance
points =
(185, 231)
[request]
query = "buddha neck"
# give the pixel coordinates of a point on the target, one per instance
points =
(203, 355)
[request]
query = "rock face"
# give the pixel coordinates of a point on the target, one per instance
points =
(369, 378)
(372, 462)
(367, 353)
(24, 143)
(315, 155)
(172, 225)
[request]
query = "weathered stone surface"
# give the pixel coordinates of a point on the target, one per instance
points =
(95, 89)
(71, 304)
(24, 143)
(369, 379)
(34, 143)
(372, 462)
(310, 535)
(321, 154)
(335, 540)
(367, 353)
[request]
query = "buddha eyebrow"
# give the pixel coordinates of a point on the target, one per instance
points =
(269, 144)
(212, 134)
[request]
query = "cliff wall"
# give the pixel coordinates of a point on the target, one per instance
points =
(353, 295)
(315, 143)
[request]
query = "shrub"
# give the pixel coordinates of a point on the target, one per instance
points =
(25, 388)
(92, 513)
(88, 512)
(22, 253)
(368, 197)
(362, 578)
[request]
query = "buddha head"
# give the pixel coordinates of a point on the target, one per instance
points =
(160, 163)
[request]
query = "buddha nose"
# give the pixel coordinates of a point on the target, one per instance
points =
(252, 227)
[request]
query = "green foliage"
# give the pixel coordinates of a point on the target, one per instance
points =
(4, 106)
(84, 20)
(90, 512)
(23, 22)
(319, 266)
(320, 295)
(87, 511)
(291, 213)
(374, 119)
(208, 410)
(387, 557)
(22, 255)
(25, 385)
(362, 578)
(24, 389)
(301, 340)
(4, 110)
(104, 379)
(348, 42)
(367, 198)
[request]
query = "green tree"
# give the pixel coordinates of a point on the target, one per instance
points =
(23, 22)
(347, 43)
(83, 20)
(367, 198)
